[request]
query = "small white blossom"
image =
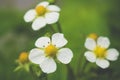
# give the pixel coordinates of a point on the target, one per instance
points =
(99, 52)
(48, 49)
(42, 14)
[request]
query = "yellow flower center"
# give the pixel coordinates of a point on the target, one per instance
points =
(23, 58)
(100, 52)
(93, 36)
(40, 10)
(51, 50)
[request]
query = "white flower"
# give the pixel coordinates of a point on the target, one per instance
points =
(47, 50)
(99, 53)
(43, 14)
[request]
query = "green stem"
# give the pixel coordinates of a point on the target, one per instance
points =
(84, 65)
(59, 27)
(81, 58)
(43, 76)
(33, 74)
(80, 63)
(70, 75)
(52, 29)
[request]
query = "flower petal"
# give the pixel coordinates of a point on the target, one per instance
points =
(42, 42)
(64, 55)
(112, 54)
(103, 42)
(38, 23)
(58, 40)
(30, 15)
(102, 63)
(53, 8)
(51, 17)
(90, 44)
(44, 3)
(90, 56)
(48, 65)
(36, 56)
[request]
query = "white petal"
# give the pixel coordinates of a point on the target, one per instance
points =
(44, 3)
(90, 56)
(36, 56)
(58, 40)
(42, 42)
(38, 23)
(51, 17)
(90, 44)
(112, 54)
(53, 8)
(48, 65)
(102, 63)
(64, 55)
(103, 42)
(30, 15)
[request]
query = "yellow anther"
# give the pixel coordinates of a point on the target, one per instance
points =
(40, 10)
(93, 36)
(51, 50)
(100, 52)
(23, 58)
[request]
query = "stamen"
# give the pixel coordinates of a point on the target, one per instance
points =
(40, 10)
(23, 57)
(51, 50)
(93, 36)
(100, 52)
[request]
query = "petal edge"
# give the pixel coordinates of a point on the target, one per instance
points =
(65, 55)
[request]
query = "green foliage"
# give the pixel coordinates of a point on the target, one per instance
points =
(78, 19)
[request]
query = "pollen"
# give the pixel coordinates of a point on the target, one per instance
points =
(40, 10)
(23, 58)
(51, 50)
(93, 36)
(100, 52)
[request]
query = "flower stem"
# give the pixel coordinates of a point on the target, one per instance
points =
(52, 29)
(43, 76)
(70, 75)
(83, 67)
(33, 74)
(59, 27)
(81, 58)
(80, 63)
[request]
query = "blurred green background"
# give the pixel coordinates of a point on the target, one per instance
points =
(78, 19)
